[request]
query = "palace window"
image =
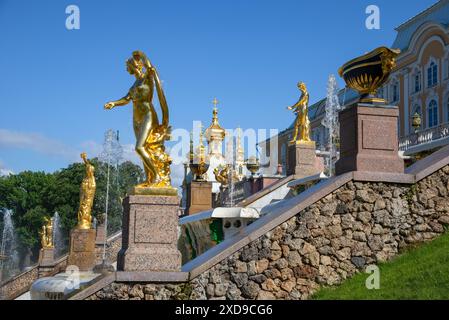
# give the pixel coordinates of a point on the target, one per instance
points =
(447, 109)
(417, 82)
(446, 68)
(432, 75)
(284, 157)
(395, 92)
(432, 114)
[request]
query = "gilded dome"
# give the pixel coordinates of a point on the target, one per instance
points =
(215, 131)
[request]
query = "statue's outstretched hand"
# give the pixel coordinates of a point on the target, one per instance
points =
(109, 105)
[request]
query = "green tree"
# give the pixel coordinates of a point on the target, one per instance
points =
(35, 195)
(27, 194)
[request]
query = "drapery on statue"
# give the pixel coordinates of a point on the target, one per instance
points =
(47, 233)
(302, 123)
(150, 133)
(87, 194)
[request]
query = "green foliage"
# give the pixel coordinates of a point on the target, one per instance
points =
(419, 273)
(35, 195)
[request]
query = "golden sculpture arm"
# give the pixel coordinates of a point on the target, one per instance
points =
(139, 55)
(301, 101)
(297, 105)
(84, 157)
(120, 102)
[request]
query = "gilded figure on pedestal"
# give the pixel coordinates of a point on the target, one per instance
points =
(302, 124)
(87, 194)
(150, 133)
(47, 233)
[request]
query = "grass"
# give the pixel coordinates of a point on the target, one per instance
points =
(419, 273)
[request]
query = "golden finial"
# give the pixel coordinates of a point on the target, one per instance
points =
(215, 112)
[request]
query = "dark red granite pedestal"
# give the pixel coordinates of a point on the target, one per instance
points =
(369, 139)
(150, 234)
(82, 249)
(46, 261)
(302, 160)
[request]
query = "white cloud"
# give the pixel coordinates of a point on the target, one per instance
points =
(35, 142)
(4, 171)
(129, 154)
(51, 147)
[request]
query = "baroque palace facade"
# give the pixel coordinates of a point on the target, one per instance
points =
(418, 85)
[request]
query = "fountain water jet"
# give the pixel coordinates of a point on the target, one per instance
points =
(8, 247)
(58, 240)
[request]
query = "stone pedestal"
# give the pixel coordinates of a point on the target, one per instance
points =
(150, 234)
(46, 261)
(301, 159)
(100, 238)
(199, 196)
(82, 249)
(47, 257)
(369, 139)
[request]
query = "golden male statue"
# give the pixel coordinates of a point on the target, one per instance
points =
(302, 123)
(150, 133)
(87, 194)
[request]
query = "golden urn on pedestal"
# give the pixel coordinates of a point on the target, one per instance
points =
(367, 73)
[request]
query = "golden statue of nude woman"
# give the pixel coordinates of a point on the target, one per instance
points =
(150, 134)
(302, 123)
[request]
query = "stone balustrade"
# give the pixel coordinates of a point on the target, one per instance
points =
(424, 137)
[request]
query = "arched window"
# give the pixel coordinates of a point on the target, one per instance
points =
(417, 81)
(432, 114)
(432, 75)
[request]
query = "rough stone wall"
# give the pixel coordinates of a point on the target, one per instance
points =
(17, 285)
(358, 224)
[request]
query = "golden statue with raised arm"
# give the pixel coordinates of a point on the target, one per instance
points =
(47, 233)
(150, 133)
(302, 123)
(87, 194)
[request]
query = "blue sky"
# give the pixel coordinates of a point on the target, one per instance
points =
(249, 54)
